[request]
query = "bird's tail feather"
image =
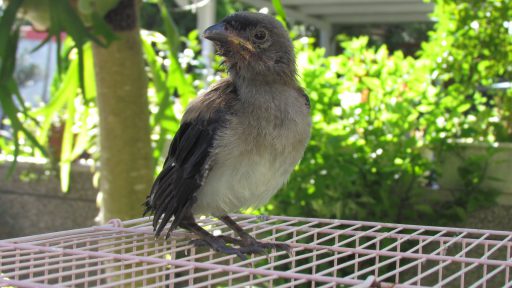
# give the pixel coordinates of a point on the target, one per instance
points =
(165, 203)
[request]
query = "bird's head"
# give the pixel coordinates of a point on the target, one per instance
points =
(254, 45)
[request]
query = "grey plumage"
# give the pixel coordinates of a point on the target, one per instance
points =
(238, 142)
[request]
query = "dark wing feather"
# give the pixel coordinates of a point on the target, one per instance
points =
(305, 96)
(173, 192)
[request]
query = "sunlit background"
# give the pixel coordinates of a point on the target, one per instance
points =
(411, 104)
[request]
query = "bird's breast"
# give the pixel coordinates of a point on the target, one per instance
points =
(254, 155)
(278, 120)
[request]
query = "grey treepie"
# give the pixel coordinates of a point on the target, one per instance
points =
(239, 142)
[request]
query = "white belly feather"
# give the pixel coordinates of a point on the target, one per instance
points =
(243, 181)
(256, 155)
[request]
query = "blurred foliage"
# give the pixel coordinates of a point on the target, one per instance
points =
(364, 159)
(368, 155)
(471, 52)
(151, 19)
(63, 18)
(378, 117)
(10, 99)
(382, 123)
(68, 125)
(406, 37)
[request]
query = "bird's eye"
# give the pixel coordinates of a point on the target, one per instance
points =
(260, 35)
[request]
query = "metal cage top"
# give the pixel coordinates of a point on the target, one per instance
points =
(326, 253)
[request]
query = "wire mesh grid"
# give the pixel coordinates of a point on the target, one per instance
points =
(326, 253)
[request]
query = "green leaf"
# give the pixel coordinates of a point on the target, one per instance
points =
(176, 77)
(464, 107)
(170, 28)
(157, 76)
(11, 114)
(11, 111)
(425, 108)
(67, 146)
(83, 138)
(278, 7)
(64, 173)
(100, 27)
(9, 34)
(164, 93)
(64, 19)
(66, 90)
(6, 24)
(372, 82)
(89, 76)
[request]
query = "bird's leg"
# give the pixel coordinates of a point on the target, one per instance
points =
(247, 241)
(205, 238)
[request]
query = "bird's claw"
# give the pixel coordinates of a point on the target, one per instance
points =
(246, 246)
(219, 246)
(264, 246)
(251, 242)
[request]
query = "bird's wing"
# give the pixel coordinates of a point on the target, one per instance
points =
(173, 192)
(304, 95)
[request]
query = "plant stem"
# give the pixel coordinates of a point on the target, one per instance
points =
(125, 158)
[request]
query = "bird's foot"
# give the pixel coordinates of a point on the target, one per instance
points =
(248, 241)
(246, 245)
(219, 245)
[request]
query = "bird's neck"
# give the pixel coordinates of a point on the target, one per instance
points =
(261, 81)
(262, 95)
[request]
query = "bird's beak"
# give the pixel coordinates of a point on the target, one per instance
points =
(219, 34)
(216, 33)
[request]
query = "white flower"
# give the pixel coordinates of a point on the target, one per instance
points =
(494, 119)
(188, 52)
(349, 99)
(440, 121)
(475, 25)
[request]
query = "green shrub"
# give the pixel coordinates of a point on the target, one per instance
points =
(470, 50)
(365, 159)
(370, 156)
(375, 159)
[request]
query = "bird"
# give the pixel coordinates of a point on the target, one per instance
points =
(239, 141)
